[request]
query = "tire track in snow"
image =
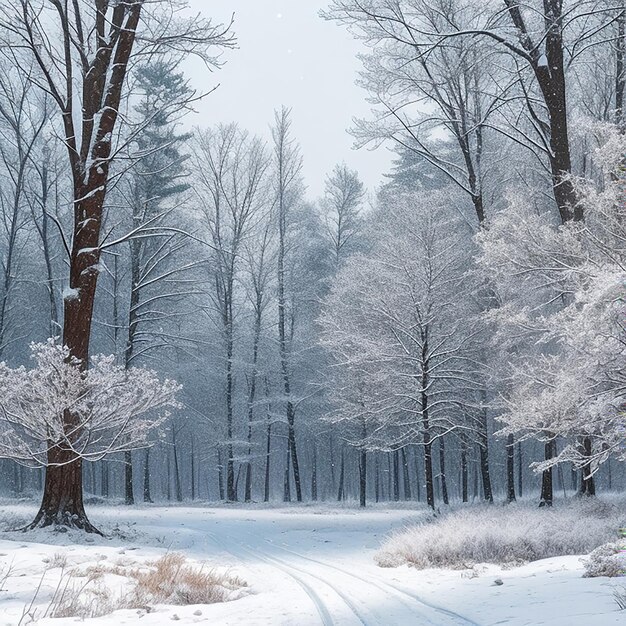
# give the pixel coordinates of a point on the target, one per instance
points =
(383, 586)
(289, 568)
(317, 601)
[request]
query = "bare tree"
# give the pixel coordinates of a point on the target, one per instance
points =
(81, 52)
(288, 166)
(341, 206)
(259, 261)
(22, 121)
(230, 171)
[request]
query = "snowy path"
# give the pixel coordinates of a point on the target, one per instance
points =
(306, 562)
(311, 566)
(339, 596)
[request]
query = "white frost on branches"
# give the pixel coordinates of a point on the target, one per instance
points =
(561, 326)
(90, 414)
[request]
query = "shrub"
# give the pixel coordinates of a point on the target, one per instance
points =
(514, 534)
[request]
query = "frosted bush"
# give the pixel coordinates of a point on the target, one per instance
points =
(514, 534)
(607, 560)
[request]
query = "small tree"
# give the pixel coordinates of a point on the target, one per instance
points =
(113, 410)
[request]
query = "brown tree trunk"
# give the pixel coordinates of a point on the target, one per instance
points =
(102, 88)
(62, 502)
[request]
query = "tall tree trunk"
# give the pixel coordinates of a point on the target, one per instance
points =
(268, 444)
(168, 486)
(587, 484)
(331, 456)
(547, 494)
(406, 478)
(129, 497)
(285, 179)
(314, 474)
(147, 497)
(220, 473)
(102, 88)
(193, 470)
(286, 479)
(389, 477)
(483, 445)
(510, 469)
(177, 482)
(520, 470)
(442, 471)
(376, 478)
(475, 482)
(340, 490)
(231, 493)
(418, 490)
(362, 476)
(464, 476)
(252, 390)
(396, 476)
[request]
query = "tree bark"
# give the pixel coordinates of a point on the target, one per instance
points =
(177, 482)
(547, 490)
(129, 497)
(418, 490)
(376, 478)
(510, 469)
(362, 476)
(464, 474)
(146, 477)
(587, 484)
(268, 445)
(520, 470)
(340, 491)
(406, 478)
(102, 88)
(286, 480)
(483, 446)
(62, 502)
(396, 476)
(314, 474)
(442, 471)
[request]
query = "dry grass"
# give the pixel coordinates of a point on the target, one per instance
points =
(84, 601)
(58, 559)
(170, 581)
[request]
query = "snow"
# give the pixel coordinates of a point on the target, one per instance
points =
(304, 566)
(69, 293)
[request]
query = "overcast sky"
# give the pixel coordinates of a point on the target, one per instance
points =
(288, 55)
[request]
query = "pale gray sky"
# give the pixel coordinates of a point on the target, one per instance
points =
(288, 55)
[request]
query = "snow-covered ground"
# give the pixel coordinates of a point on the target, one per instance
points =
(303, 566)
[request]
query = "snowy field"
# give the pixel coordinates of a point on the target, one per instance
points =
(301, 565)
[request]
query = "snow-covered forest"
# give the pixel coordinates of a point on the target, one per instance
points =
(190, 324)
